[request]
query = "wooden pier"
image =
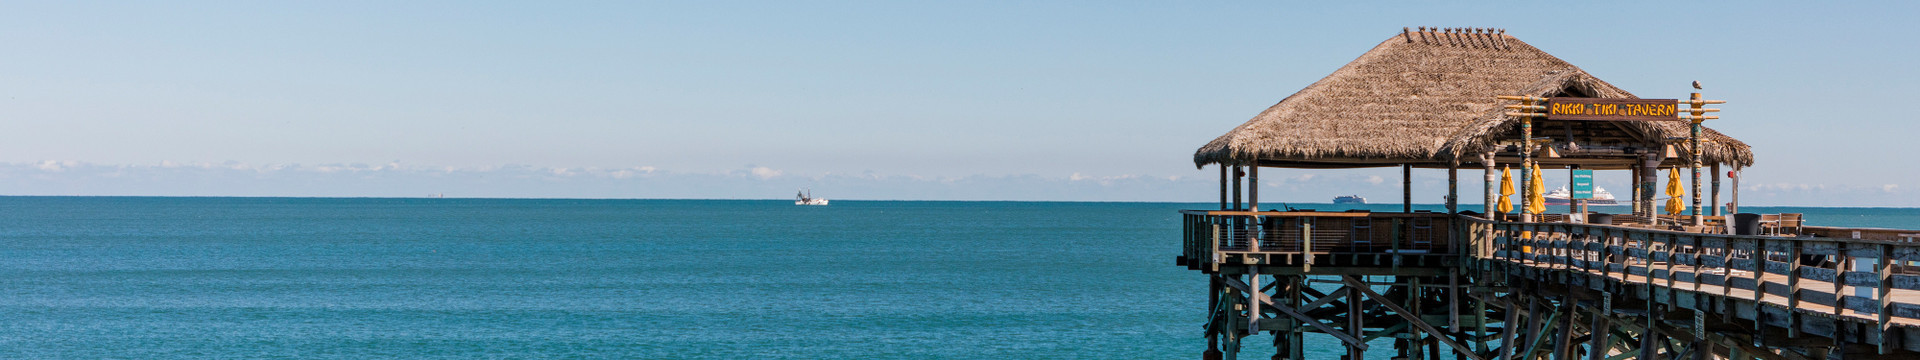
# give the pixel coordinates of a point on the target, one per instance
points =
(1500, 284)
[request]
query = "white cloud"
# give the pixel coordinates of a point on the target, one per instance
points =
(764, 173)
(55, 166)
(1890, 187)
(1375, 179)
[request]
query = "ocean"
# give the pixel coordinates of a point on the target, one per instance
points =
(168, 278)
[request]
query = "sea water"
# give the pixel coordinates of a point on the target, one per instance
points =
(127, 277)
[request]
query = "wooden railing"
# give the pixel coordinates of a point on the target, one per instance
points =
(1872, 278)
(1210, 237)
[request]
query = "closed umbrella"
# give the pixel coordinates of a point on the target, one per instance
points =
(1536, 192)
(1674, 192)
(1506, 190)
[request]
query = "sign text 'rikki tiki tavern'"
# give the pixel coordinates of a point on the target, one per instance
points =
(1571, 108)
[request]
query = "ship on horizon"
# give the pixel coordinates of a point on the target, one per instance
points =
(1563, 197)
(805, 197)
(1349, 199)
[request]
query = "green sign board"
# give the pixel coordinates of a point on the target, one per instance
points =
(1583, 184)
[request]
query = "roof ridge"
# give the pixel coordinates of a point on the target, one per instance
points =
(1479, 38)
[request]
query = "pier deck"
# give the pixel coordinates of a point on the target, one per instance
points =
(1493, 290)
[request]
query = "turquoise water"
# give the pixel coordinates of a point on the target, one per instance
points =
(460, 278)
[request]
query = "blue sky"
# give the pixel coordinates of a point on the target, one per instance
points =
(870, 100)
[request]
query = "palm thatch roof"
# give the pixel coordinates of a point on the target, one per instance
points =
(1425, 98)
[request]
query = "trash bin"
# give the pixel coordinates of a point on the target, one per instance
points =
(1746, 224)
(1600, 218)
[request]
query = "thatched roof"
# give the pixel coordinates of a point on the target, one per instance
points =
(1423, 97)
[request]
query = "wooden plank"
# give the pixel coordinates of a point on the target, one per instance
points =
(1459, 349)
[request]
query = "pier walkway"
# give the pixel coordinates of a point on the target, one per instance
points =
(1465, 287)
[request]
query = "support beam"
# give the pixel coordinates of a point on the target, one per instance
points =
(1357, 285)
(1356, 323)
(1599, 341)
(1316, 324)
(1509, 328)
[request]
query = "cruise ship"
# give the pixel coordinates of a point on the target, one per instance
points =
(1563, 197)
(1349, 199)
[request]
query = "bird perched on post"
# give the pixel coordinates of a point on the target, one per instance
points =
(1696, 84)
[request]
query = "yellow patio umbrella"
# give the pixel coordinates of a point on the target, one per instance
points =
(1506, 190)
(1674, 192)
(1536, 192)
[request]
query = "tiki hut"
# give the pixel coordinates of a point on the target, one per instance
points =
(1426, 99)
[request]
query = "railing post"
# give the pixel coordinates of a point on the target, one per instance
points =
(1885, 271)
(1793, 289)
(1840, 265)
(1213, 249)
(1759, 284)
(1306, 244)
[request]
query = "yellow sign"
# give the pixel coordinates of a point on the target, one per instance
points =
(1570, 108)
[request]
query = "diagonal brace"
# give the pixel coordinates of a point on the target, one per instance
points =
(1356, 285)
(1348, 338)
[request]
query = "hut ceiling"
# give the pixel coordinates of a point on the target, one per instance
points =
(1427, 98)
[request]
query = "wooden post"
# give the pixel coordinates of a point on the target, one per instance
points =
(1735, 206)
(1493, 181)
(1237, 173)
(1759, 285)
(1253, 188)
(1599, 331)
(1453, 187)
(1406, 188)
(1716, 191)
(1296, 346)
(1634, 172)
(1841, 262)
(1253, 301)
(1213, 297)
(1793, 288)
(1563, 347)
(1512, 328)
(1414, 305)
(1526, 161)
(1649, 170)
(1480, 325)
(1884, 270)
(1356, 324)
(1573, 205)
(1694, 162)
(1223, 187)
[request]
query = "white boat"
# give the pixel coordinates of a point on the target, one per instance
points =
(1563, 197)
(1349, 199)
(805, 197)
